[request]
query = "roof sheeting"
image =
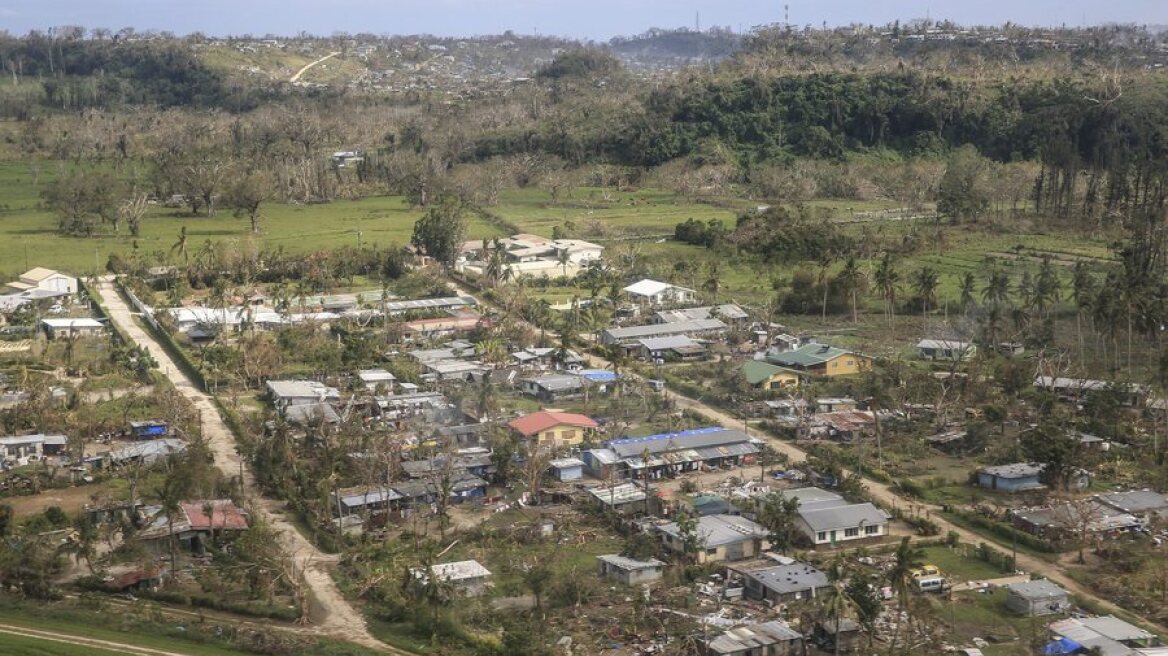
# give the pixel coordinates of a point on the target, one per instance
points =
(664, 329)
(538, 422)
(715, 436)
(839, 517)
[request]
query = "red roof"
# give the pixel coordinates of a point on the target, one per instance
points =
(537, 422)
(224, 515)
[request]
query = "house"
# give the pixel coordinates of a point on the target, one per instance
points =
(528, 254)
(631, 334)
(837, 521)
(820, 360)
(842, 426)
(1041, 597)
(553, 387)
(420, 492)
(312, 414)
(460, 465)
(193, 525)
(23, 448)
(672, 453)
(445, 370)
(567, 469)
(149, 429)
(460, 322)
(1112, 636)
(553, 428)
(675, 348)
(1145, 504)
(784, 583)
(363, 500)
(834, 404)
(629, 571)
(468, 577)
(536, 357)
(728, 313)
(841, 631)
(43, 279)
(622, 498)
(285, 393)
(652, 292)
(374, 378)
(68, 328)
(945, 349)
(142, 453)
(1021, 476)
(1071, 519)
(1077, 389)
(773, 638)
(720, 538)
(765, 376)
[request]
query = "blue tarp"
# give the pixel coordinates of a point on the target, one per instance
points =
(1061, 646)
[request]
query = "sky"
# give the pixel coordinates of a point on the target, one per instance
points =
(581, 19)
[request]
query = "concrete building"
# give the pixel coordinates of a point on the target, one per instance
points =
(633, 334)
(785, 583)
(1031, 598)
(653, 293)
(40, 278)
(720, 538)
(67, 328)
(554, 429)
(468, 577)
(628, 570)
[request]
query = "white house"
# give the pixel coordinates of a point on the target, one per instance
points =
(652, 292)
(83, 327)
(45, 279)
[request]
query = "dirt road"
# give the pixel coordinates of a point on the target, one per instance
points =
(304, 69)
(333, 616)
(878, 491)
(104, 646)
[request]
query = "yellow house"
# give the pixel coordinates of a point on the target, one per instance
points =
(822, 360)
(553, 428)
(769, 377)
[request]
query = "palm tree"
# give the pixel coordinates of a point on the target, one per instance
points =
(836, 601)
(1047, 287)
(887, 281)
(925, 282)
(968, 285)
(181, 244)
(906, 559)
(997, 289)
(564, 258)
(1082, 293)
(852, 279)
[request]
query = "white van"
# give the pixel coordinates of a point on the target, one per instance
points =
(932, 584)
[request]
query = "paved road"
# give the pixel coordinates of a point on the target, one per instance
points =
(333, 615)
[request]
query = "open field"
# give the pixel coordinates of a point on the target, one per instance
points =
(17, 645)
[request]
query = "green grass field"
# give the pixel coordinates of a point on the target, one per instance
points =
(959, 567)
(14, 645)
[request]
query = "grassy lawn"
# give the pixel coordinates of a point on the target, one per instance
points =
(960, 567)
(972, 614)
(28, 233)
(14, 645)
(136, 638)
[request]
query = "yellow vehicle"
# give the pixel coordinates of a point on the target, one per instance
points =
(926, 571)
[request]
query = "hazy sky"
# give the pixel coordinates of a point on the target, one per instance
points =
(599, 19)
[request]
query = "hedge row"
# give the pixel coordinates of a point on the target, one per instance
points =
(172, 348)
(1004, 531)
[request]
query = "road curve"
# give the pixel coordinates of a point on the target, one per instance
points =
(334, 616)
